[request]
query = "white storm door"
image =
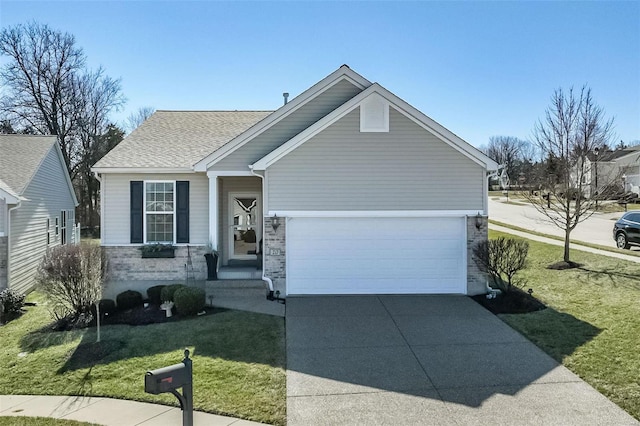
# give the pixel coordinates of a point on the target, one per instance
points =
(245, 227)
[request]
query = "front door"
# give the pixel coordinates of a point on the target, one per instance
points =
(245, 224)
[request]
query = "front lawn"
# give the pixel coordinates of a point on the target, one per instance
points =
(592, 325)
(238, 360)
(40, 421)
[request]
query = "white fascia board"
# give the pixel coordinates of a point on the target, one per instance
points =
(375, 213)
(439, 130)
(139, 170)
(66, 174)
(9, 197)
(401, 106)
(342, 73)
(216, 173)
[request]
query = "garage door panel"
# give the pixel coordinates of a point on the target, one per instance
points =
(391, 286)
(375, 255)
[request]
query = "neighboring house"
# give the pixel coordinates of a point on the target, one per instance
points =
(619, 168)
(37, 206)
(348, 189)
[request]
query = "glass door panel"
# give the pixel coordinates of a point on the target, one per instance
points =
(244, 222)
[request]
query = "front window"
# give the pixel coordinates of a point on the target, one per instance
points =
(159, 209)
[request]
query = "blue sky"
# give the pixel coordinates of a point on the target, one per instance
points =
(478, 68)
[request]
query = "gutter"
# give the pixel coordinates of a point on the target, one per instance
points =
(264, 277)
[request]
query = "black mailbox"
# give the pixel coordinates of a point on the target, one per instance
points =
(166, 379)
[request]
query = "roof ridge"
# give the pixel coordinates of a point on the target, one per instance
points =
(215, 110)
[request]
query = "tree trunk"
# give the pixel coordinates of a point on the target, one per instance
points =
(567, 232)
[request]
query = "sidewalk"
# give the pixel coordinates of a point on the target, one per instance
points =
(574, 246)
(107, 411)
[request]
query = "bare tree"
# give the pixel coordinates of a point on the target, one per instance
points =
(515, 154)
(135, 119)
(574, 127)
(49, 90)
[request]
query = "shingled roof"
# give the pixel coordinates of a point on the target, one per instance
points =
(179, 139)
(20, 157)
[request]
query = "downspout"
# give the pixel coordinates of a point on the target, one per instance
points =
(264, 277)
(9, 233)
(99, 179)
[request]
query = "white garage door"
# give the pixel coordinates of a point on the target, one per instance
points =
(376, 255)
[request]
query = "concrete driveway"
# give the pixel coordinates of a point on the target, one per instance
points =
(425, 360)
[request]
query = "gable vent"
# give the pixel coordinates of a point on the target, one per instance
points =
(374, 114)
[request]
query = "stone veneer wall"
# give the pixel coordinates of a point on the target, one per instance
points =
(129, 271)
(275, 266)
(476, 278)
(4, 261)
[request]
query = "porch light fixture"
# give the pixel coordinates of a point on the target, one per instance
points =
(275, 222)
(478, 221)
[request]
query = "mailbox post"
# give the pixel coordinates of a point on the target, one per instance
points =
(168, 379)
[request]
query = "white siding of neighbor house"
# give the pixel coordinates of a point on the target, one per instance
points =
(232, 184)
(46, 196)
(115, 199)
(405, 169)
(288, 127)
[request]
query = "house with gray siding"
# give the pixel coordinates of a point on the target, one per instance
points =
(345, 189)
(37, 206)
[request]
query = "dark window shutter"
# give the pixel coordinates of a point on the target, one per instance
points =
(182, 211)
(136, 193)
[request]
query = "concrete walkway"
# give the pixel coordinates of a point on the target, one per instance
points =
(441, 360)
(106, 411)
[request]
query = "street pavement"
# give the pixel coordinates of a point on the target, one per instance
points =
(596, 230)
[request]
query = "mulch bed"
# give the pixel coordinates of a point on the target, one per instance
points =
(514, 302)
(561, 266)
(140, 315)
(152, 314)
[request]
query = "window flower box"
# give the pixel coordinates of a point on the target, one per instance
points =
(157, 251)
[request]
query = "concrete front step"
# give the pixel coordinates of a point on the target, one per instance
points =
(239, 273)
(231, 284)
(244, 295)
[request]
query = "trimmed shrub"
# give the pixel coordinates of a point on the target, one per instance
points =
(107, 306)
(502, 258)
(155, 294)
(189, 300)
(129, 299)
(167, 293)
(11, 304)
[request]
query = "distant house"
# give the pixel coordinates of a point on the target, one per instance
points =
(37, 206)
(345, 189)
(618, 169)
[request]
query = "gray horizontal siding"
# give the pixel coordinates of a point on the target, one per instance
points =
(288, 127)
(116, 216)
(46, 195)
(405, 169)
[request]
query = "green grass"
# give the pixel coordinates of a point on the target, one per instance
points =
(40, 421)
(592, 325)
(238, 361)
(557, 238)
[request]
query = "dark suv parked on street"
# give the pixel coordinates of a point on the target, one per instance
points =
(626, 230)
